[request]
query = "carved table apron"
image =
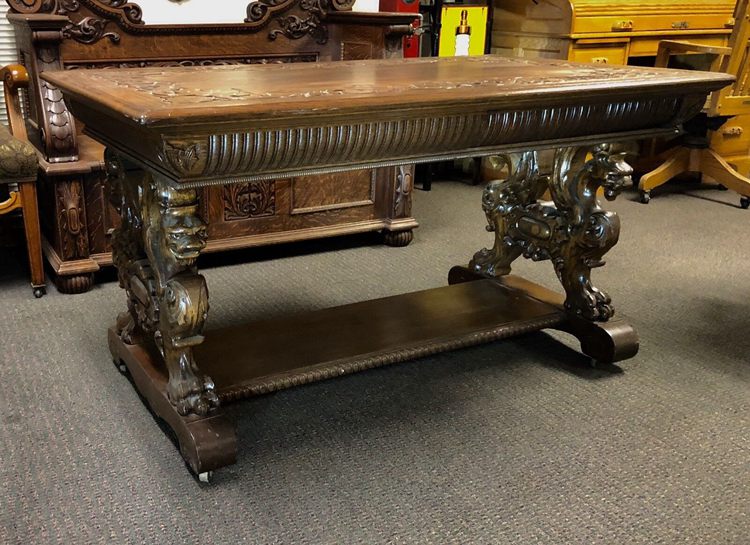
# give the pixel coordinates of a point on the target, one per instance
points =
(170, 131)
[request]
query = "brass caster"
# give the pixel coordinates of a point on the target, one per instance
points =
(645, 197)
(121, 367)
(398, 238)
(745, 203)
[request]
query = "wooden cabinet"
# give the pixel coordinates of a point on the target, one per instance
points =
(575, 29)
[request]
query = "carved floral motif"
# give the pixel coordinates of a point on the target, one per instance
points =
(251, 200)
(280, 59)
(90, 30)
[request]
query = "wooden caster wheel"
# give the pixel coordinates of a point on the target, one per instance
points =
(398, 238)
(645, 197)
(77, 283)
(745, 203)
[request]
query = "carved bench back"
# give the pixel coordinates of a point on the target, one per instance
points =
(76, 34)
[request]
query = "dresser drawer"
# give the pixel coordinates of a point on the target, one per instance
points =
(605, 53)
(649, 16)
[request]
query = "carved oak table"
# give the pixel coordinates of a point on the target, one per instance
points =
(171, 131)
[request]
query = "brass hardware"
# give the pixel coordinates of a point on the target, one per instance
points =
(600, 60)
(730, 23)
(731, 131)
(622, 26)
(680, 25)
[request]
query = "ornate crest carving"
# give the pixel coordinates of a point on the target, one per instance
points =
(251, 200)
(296, 26)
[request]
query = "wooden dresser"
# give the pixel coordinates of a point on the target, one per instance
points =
(605, 31)
(78, 221)
(620, 32)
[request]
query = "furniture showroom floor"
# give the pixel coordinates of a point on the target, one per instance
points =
(512, 442)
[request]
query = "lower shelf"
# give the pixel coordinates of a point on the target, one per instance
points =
(267, 355)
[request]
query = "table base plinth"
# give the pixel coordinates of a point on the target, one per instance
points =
(268, 355)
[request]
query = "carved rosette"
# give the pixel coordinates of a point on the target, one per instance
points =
(573, 231)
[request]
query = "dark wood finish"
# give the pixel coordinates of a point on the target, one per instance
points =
(172, 132)
(76, 218)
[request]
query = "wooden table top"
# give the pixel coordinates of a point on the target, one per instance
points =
(231, 124)
(171, 96)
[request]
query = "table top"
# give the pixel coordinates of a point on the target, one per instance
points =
(231, 124)
(167, 96)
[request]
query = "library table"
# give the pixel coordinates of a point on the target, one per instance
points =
(171, 131)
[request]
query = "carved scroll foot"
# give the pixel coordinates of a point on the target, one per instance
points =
(603, 342)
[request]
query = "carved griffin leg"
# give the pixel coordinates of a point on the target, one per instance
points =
(502, 201)
(128, 254)
(588, 231)
(155, 251)
(173, 237)
(574, 232)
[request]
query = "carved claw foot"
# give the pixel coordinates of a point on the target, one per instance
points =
(487, 263)
(591, 303)
(193, 396)
(125, 326)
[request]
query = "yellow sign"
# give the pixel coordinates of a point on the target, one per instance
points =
(463, 30)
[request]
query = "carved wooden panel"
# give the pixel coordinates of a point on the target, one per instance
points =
(352, 51)
(208, 61)
(251, 200)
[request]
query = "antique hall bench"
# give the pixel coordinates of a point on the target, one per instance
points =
(77, 220)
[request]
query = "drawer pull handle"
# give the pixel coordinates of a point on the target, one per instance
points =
(600, 60)
(732, 131)
(681, 25)
(622, 26)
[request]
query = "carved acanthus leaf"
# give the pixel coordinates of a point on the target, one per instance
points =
(184, 156)
(90, 30)
(251, 200)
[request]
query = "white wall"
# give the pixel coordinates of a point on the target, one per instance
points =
(208, 11)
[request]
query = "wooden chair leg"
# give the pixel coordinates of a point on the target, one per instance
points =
(33, 235)
(676, 162)
(713, 165)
